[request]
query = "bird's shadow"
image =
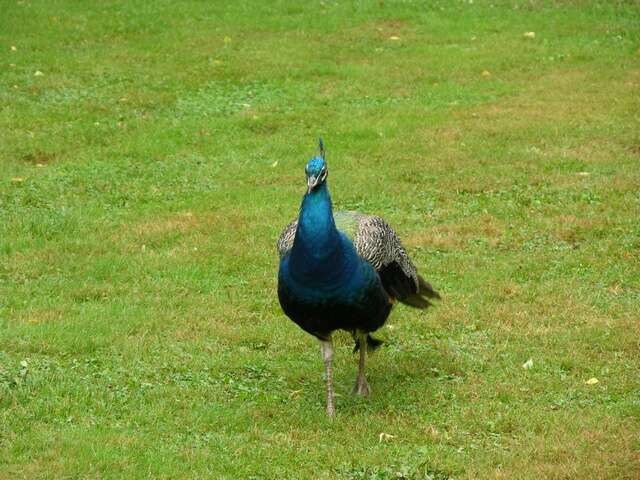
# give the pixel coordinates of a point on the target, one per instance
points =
(402, 379)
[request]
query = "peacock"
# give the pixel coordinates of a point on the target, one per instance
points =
(343, 271)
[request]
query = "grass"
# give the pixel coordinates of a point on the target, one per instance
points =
(149, 167)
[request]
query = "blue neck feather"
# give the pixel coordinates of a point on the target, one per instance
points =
(318, 251)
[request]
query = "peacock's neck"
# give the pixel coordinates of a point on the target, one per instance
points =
(317, 249)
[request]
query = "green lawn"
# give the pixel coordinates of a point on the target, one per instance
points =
(151, 152)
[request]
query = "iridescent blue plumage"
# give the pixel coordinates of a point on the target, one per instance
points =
(324, 285)
(329, 281)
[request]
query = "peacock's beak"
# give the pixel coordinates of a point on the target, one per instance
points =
(312, 181)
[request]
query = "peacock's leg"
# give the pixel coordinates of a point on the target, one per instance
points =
(362, 387)
(326, 348)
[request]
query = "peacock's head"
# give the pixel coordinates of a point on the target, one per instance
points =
(316, 170)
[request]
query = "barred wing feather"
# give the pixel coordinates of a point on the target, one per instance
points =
(377, 243)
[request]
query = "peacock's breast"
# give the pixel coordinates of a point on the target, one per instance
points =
(352, 285)
(356, 302)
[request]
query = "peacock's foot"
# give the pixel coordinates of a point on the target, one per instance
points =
(331, 410)
(361, 387)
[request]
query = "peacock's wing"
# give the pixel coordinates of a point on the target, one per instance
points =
(378, 243)
(285, 241)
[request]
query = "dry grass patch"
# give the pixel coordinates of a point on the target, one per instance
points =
(457, 236)
(572, 229)
(612, 447)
